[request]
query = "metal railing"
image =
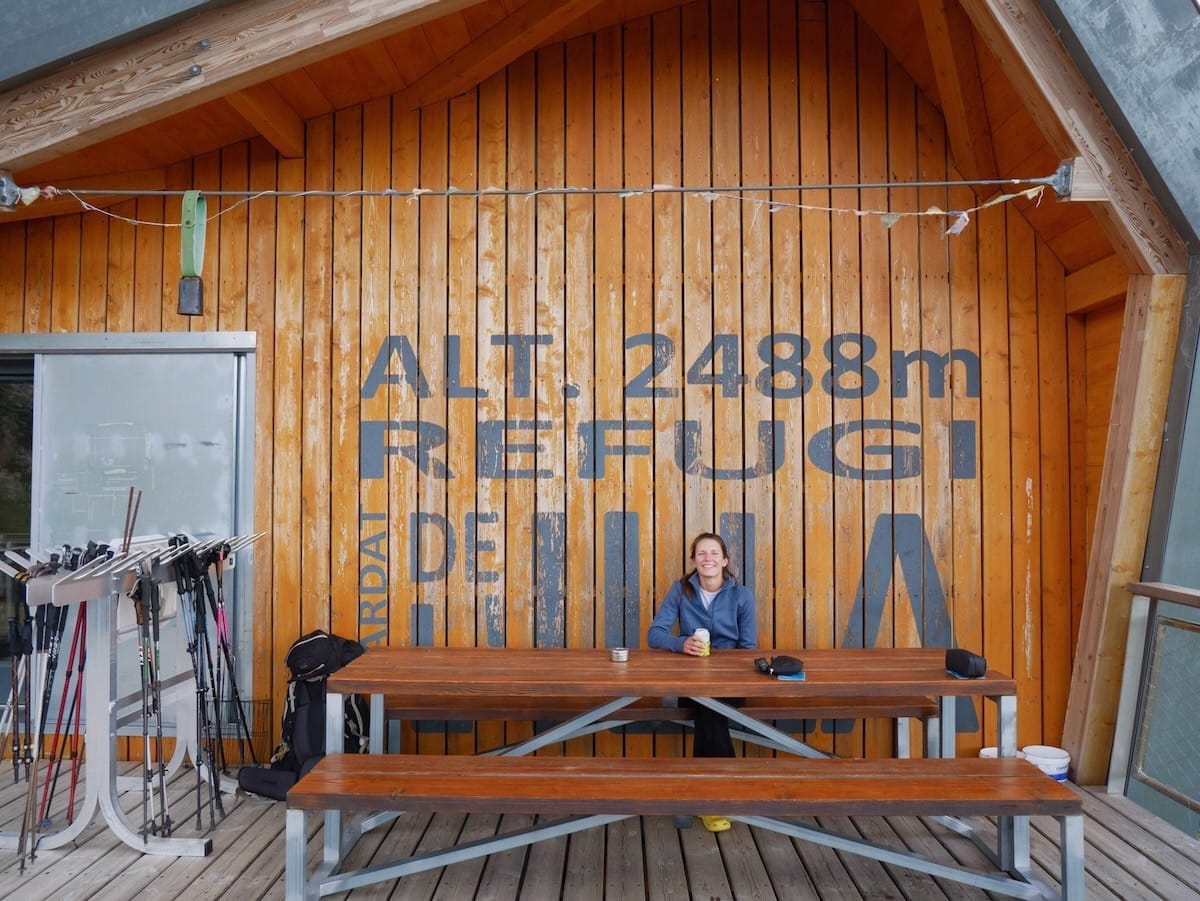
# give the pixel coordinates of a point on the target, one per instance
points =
(1156, 741)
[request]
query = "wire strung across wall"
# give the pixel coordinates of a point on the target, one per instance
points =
(1033, 190)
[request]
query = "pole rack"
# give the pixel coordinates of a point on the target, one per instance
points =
(104, 583)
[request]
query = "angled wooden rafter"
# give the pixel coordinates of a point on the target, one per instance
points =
(1094, 286)
(1070, 117)
(1149, 336)
(194, 61)
(951, 43)
(264, 108)
(913, 55)
(525, 29)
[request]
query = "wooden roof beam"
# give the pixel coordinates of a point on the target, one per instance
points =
(1149, 335)
(1070, 117)
(269, 114)
(951, 41)
(525, 29)
(193, 61)
(1094, 286)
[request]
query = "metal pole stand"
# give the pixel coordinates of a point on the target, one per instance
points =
(102, 583)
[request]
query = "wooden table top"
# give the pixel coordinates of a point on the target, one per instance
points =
(589, 672)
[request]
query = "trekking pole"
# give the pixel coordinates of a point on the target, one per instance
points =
(31, 668)
(154, 606)
(53, 622)
(204, 736)
(203, 652)
(223, 640)
(180, 566)
(189, 628)
(203, 591)
(10, 724)
(131, 517)
(139, 609)
(219, 626)
(20, 674)
(8, 718)
(27, 839)
(77, 704)
(59, 744)
(56, 626)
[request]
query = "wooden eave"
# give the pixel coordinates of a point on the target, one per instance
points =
(195, 61)
(1072, 121)
(272, 64)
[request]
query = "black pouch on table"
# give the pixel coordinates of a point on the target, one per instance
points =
(962, 662)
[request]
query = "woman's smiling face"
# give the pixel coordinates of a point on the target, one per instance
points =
(710, 560)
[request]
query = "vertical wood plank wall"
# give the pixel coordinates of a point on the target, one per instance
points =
(490, 420)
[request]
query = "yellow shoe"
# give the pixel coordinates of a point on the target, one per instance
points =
(716, 824)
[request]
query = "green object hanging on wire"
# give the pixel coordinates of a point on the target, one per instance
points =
(191, 254)
(191, 240)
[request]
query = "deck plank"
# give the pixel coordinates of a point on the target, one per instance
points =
(1043, 850)
(1150, 877)
(174, 876)
(583, 879)
(914, 834)
(625, 875)
(238, 858)
(460, 880)
(747, 874)
(502, 872)
(778, 855)
(544, 870)
(1145, 832)
(666, 878)
(443, 831)
(397, 840)
(871, 877)
(1129, 854)
(702, 860)
(913, 885)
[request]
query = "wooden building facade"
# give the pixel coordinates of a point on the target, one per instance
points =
(601, 315)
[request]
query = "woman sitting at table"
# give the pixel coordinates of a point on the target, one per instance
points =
(709, 597)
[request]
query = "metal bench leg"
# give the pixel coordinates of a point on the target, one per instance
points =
(1012, 836)
(947, 726)
(1071, 832)
(377, 740)
(295, 878)
(335, 844)
(933, 735)
(903, 737)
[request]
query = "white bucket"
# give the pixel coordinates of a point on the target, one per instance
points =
(1050, 760)
(994, 752)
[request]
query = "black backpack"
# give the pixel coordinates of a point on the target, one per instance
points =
(311, 660)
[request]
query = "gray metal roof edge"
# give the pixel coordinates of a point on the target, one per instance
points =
(1068, 17)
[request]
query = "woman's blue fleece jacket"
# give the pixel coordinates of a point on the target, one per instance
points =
(730, 621)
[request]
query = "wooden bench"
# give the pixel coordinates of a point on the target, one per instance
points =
(521, 708)
(591, 792)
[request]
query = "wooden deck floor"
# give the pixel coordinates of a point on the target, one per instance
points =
(1130, 855)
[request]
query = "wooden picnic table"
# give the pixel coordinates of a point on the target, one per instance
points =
(478, 674)
(447, 676)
